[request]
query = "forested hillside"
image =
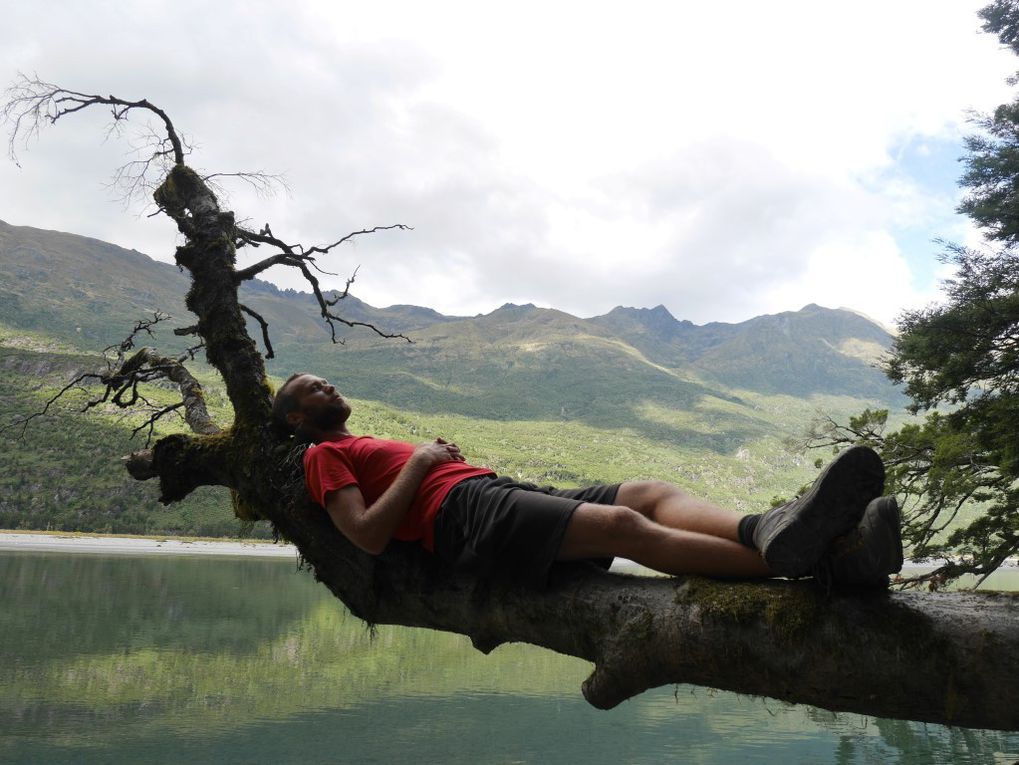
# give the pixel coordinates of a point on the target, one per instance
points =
(530, 391)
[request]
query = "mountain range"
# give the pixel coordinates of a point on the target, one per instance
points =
(517, 361)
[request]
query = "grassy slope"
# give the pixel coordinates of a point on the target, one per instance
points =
(65, 473)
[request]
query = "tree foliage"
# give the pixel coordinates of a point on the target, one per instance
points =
(958, 361)
(992, 153)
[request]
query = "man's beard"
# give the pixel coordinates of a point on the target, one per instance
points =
(331, 416)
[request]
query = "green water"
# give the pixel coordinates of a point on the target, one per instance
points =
(227, 660)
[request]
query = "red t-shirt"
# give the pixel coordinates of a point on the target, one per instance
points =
(372, 464)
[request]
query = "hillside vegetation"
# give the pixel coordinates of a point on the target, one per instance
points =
(531, 392)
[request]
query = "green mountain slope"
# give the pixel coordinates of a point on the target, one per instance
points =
(73, 287)
(518, 359)
(531, 392)
(813, 350)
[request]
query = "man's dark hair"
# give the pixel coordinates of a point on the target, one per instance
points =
(283, 404)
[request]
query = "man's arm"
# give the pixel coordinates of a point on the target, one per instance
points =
(371, 528)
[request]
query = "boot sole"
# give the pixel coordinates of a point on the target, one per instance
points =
(832, 507)
(888, 510)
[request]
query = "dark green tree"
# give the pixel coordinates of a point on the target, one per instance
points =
(959, 363)
(992, 159)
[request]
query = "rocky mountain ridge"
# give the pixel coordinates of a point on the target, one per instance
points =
(90, 293)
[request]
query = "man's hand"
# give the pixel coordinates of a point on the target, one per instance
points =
(437, 451)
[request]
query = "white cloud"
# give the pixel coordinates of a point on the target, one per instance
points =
(869, 269)
(722, 159)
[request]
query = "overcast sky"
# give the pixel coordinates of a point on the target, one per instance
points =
(723, 159)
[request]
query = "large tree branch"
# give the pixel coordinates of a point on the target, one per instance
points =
(209, 257)
(949, 658)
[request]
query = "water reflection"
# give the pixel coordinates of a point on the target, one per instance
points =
(244, 660)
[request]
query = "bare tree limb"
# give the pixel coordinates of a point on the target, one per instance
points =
(265, 329)
(30, 104)
(291, 254)
(263, 183)
(323, 250)
(24, 422)
(338, 296)
(123, 376)
(296, 256)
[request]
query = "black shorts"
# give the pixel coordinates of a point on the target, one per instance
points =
(499, 527)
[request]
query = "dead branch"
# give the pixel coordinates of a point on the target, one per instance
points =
(128, 343)
(32, 104)
(121, 380)
(291, 254)
(338, 296)
(264, 184)
(77, 382)
(299, 257)
(265, 329)
(323, 250)
(148, 365)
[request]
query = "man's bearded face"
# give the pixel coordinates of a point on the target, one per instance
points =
(320, 405)
(328, 415)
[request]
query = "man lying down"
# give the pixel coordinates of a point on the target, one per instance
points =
(842, 530)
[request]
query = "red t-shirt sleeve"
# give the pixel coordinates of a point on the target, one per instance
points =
(326, 469)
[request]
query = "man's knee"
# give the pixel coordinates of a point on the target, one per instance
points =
(597, 530)
(646, 496)
(621, 521)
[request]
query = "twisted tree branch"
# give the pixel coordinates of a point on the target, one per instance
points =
(296, 256)
(31, 103)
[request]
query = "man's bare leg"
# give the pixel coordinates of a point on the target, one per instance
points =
(670, 506)
(596, 531)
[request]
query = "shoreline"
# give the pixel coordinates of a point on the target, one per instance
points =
(73, 542)
(97, 544)
(78, 542)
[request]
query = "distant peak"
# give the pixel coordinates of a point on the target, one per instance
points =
(658, 310)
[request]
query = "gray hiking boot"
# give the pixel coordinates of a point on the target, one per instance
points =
(867, 555)
(793, 537)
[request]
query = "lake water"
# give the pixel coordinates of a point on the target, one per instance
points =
(229, 660)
